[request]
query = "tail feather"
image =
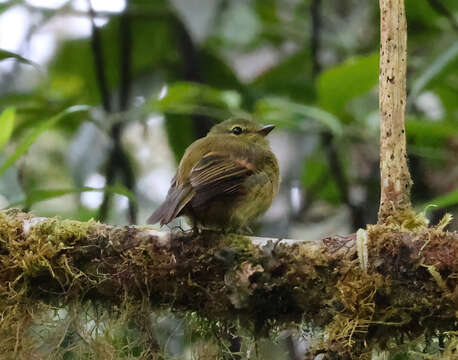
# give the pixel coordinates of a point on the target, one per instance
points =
(176, 200)
(160, 215)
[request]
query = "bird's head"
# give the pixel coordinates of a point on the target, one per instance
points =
(244, 130)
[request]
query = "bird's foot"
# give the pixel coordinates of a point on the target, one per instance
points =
(246, 230)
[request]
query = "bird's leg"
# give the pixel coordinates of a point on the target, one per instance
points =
(195, 227)
(246, 230)
(196, 230)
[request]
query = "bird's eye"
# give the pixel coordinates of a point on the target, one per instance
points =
(236, 130)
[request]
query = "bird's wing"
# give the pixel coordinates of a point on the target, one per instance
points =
(218, 174)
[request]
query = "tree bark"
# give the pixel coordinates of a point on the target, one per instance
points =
(395, 177)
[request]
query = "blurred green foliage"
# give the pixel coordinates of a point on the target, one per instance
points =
(35, 133)
(337, 85)
(222, 59)
(6, 124)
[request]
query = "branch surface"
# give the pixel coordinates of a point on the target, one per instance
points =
(361, 290)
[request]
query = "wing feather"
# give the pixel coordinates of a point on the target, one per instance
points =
(215, 175)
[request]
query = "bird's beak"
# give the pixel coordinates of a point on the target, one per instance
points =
(266, 129)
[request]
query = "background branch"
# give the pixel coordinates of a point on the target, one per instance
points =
(99, 63)
(118, 162)
(327, 138)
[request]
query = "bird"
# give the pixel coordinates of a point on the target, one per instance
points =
(224, 180)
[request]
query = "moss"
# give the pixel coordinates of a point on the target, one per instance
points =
(23, 259)
(406, 219)
(119, 274)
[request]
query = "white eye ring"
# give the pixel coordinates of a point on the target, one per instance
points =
(236, 130)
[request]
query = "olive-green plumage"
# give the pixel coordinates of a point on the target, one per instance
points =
(224, 180)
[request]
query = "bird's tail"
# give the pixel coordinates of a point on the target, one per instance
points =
(160, 215)
(175, 202)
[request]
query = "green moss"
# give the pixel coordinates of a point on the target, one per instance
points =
(224, 283)
(406, 219)
(63, 233)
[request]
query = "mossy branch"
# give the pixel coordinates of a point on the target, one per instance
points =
(396, 181)
(361, 292)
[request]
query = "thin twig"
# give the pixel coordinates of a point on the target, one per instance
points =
(327, 138)
(99, 65)
(99, 62)
(125, 54)
(119, 161)
(315, 11)
(125, 35)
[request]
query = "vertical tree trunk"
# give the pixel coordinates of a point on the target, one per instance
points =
(395, 177)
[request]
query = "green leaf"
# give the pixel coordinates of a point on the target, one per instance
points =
(6, 125)
(30, 139)
(154, 55)
(447, 91)
(267, 10)
(421, 16)
(72, 72)
(443, 201)
(180, 133)
(188, 98)
(436, 68)
(337, 85)
(38, 195)
(428, 133)
(294, 116)
(5, 54)
(182, 100)
(318, 180)
(217, 73)
(291, 78)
